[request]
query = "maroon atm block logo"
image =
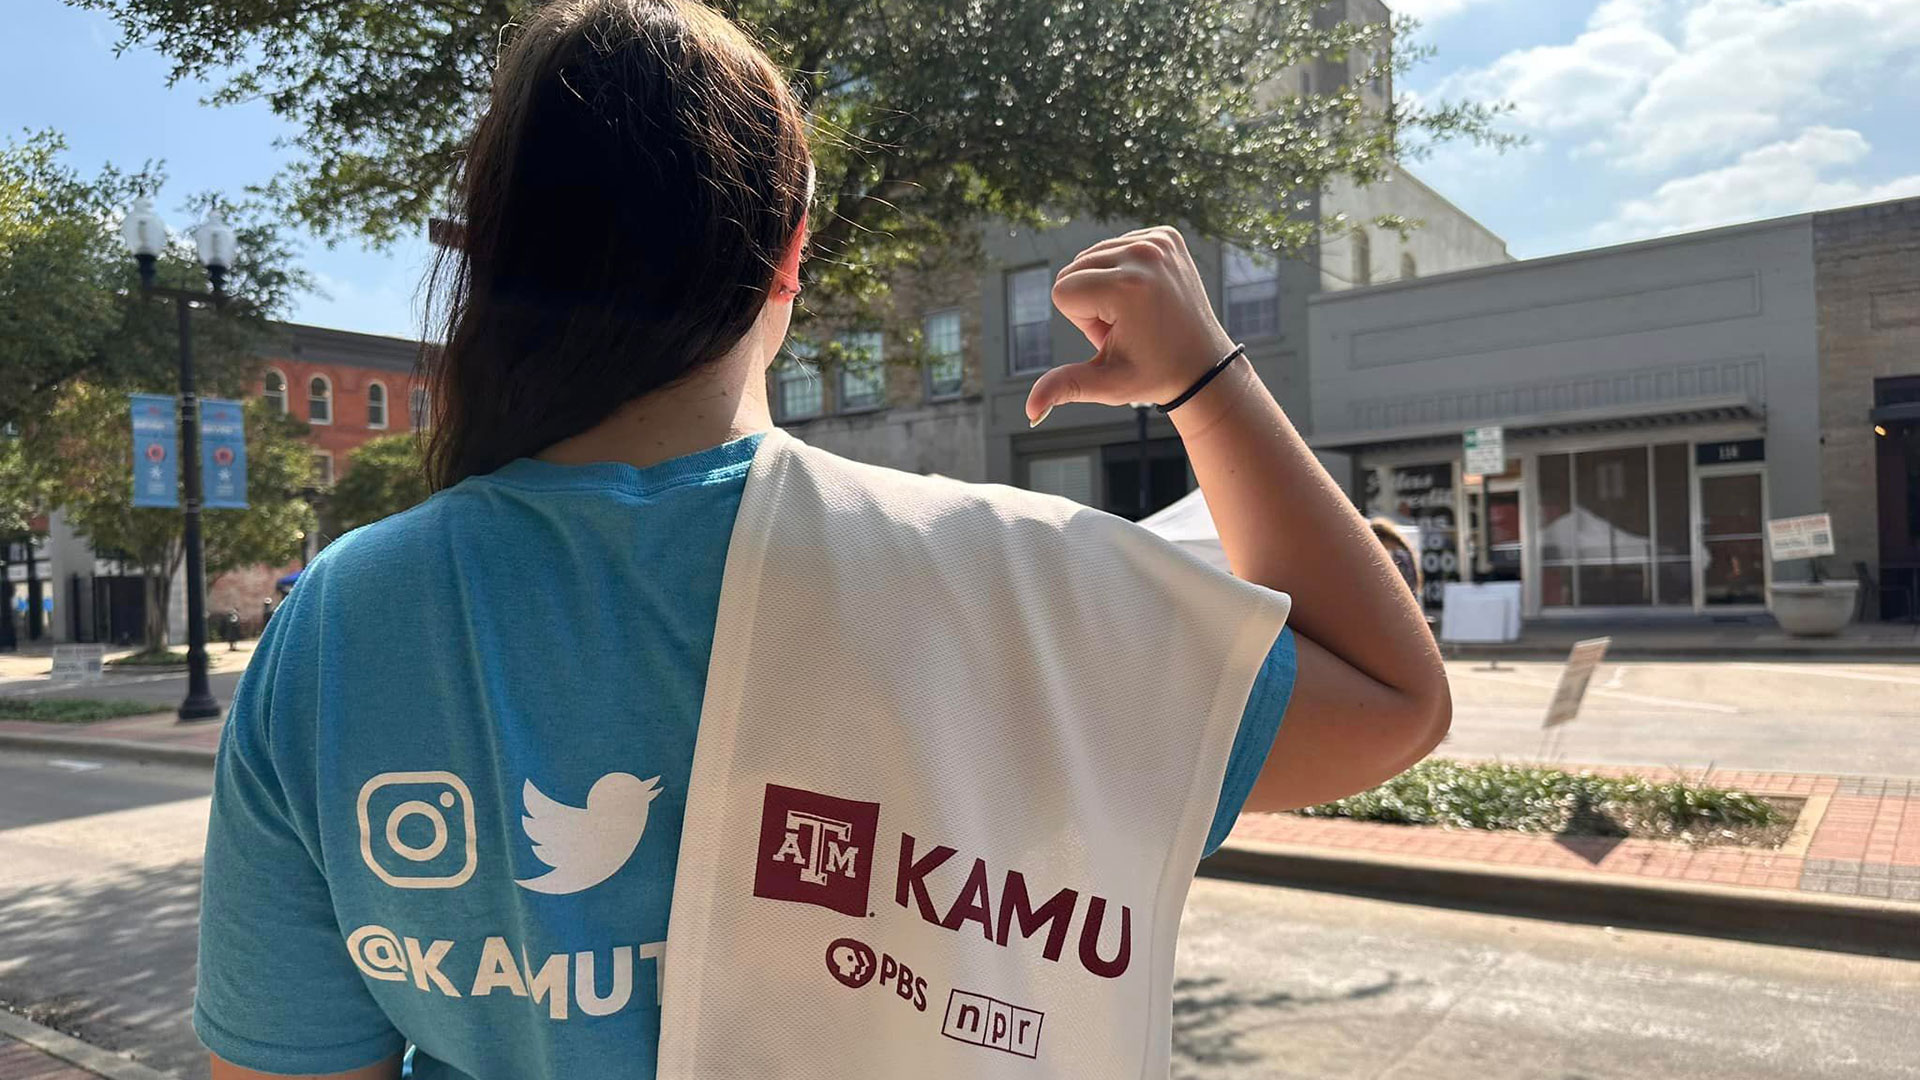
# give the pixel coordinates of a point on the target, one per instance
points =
(816, 849)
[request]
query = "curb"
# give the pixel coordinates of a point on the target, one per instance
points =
(1895, 652)
(1769, 916)
(119, 749)
(100, 1062)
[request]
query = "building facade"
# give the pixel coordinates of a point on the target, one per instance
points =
(348, 387)
(1660, 402)
(1867, 294)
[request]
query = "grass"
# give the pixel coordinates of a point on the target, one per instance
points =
(1528, 798)
(151, 658)
(72, 710)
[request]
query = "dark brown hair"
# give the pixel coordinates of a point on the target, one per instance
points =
(623, 208)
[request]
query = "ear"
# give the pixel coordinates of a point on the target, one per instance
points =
(786, 281)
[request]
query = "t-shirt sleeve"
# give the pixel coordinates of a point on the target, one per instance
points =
(277, 990)
(1259, 725)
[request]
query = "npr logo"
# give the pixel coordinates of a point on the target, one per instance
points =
(816, 849)
(984, 1021)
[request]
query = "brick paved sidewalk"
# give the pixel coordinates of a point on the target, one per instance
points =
(1856, 835)
(18, 1061)
(160, 729)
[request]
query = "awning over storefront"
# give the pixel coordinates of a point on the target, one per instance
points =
(1717, 408)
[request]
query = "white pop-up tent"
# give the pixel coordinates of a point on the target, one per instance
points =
(1189, 524)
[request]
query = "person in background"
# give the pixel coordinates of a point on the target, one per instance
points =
(1404, 559)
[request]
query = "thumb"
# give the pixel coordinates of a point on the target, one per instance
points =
(1092, 380)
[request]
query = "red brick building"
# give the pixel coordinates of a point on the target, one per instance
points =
(349, 388)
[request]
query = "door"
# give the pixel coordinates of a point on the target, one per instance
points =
(1733, 553)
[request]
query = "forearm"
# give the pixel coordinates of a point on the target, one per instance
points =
(1285, 524)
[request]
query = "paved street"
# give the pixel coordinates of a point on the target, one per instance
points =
(99, 896)
(99, 872)
(1773, 716)
(1275, 983)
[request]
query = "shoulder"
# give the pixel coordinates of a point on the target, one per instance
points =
(912, 499)
(392, 549)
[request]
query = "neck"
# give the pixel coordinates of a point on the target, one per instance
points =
(721, 402)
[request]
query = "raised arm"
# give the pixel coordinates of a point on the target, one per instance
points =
(1370, 697)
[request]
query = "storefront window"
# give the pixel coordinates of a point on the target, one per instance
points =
(1614, 528)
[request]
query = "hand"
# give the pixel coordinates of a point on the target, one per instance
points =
(1139, 300)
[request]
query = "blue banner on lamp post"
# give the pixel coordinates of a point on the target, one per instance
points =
(223, 454)
(156, 464)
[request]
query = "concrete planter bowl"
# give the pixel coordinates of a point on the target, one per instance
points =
(1813, 608)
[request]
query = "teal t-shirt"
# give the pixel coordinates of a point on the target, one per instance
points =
(450, 792)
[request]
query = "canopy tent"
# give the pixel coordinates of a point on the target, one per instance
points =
(1188, 523)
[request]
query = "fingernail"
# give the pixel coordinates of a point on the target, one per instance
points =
(1044, 413)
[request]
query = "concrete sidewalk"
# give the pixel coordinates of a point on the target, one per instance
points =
(29, 1051)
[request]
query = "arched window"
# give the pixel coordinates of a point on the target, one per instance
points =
(276, 391)
(376, 405)
(1407, 267)
(1362, 258)
(320, 400)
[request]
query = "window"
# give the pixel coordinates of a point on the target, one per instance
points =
(1362, 258)
(276, 391)
(1253, 293)
(946, 364)
(863, 373)
(419, 413)
(1614, 528)
(322, 469)
(376, 405)
(796, 384)
(1408, 269)
(320, 401)
(1029, 319)
(1069, 475)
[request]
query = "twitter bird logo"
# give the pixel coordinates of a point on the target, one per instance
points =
(586, 845)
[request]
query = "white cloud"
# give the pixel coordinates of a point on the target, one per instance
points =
(1660, 84)
(1782, 177)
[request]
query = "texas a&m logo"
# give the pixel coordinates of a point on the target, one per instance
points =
(816, 849)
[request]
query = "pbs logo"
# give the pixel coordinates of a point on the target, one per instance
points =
(416, 829)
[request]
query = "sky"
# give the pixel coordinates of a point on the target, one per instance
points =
(1645, 118)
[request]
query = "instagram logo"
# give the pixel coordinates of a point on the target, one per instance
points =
(416, 829)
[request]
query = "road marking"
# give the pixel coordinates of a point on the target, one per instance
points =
(74, 766)
(1643, 699)
(1863, 676)
(1613, 681)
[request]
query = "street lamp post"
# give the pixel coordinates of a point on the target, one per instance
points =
(146, 237)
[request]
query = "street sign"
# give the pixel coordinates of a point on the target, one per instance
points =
(156, 467)
(79, 663)
(1581, 662)
(223, 454)
(1800, 537)
(1486, 451)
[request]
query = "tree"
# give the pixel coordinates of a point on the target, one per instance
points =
(69, 303)
(84, 449)
(928, 115)
(384, 476)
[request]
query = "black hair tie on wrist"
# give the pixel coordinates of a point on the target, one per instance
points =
(1201, 383)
